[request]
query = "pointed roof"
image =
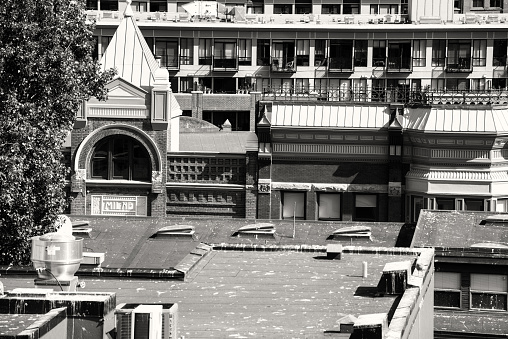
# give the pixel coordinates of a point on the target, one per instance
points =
(129, 53)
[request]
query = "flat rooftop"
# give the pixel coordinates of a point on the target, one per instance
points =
(261, 294)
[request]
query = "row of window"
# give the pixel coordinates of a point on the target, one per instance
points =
(336, 54)
(459, 204)
(329, 206)
(485, 291)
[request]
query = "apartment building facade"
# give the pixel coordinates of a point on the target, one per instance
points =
(363, 110)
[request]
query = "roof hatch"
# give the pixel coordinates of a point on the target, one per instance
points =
(255, 230)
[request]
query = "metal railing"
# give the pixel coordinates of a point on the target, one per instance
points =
(420, 97)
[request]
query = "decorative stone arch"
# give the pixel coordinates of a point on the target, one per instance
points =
(84, 152)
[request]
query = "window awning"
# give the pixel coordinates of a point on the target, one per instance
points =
(350, 116)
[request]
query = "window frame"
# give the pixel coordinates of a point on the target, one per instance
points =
(479, 56)
(375, 209)
(449, 290)
(320, 203)
(474, 291)
(108, 142)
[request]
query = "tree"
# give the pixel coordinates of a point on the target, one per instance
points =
(46, 71)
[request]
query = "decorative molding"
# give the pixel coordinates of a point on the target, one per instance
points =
(458, 175)
(157, 186)
(320, 187)
(119, 205)
(352, 150)
(118, 112)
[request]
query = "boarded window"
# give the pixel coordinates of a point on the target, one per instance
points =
(329, 206)
(293, 205)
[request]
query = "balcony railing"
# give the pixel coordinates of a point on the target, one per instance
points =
(283, 65)
(459, 65)
(225, 64)
(340, 65)
(401, 95)
(399, 64)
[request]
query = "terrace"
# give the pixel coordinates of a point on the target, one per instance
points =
(402, 95)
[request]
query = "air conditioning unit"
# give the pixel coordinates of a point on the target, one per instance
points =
(146, 321)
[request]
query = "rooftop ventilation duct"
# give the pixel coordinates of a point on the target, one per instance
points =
(175, 231)
(495, 219)
(81, 228)
(352, 232)
(255, 230)
(394, 278)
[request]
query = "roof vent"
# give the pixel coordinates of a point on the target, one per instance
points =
(371, 326)
(255, 230)
(352, 232)
(495, 219)
(175, 231)
(334, 251)
(394, 278)
(489, 245)
(346, 323)
(81, 228)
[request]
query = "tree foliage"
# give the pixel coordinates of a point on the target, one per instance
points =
(46, 71)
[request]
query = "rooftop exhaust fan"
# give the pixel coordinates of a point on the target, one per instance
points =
(255, 230)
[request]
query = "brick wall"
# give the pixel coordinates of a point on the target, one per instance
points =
(330, 172)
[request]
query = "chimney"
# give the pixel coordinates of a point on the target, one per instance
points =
(371, 326)
(394, 278)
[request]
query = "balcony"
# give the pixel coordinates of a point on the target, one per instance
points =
(398, 95)
(341, 65)
(460, 65)
(283, 65)
(225, 64)
(398, 65)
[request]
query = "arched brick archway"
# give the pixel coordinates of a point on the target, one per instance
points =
(84, 152)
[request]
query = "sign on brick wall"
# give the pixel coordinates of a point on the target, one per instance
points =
(119, 205)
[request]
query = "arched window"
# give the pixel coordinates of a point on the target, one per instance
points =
(120, 158)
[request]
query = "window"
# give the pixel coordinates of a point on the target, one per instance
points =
(379, 53)
(447, 289)
(478, 84)
(499, 83)
(263, 52)
(474, 204)
(365, 207)
(329, 206)
(186, 85)
(374, 9)
(341, 55)
(459, 55)
(496, 3)
(445, 203)
(351, 7)
(399, 55)
(282, 9)
(139, 6)
(120, 157)
(478, 3)
(205, 51)
(438, 52)
(109, 5)
(245, 52)
(330, 9)
(257, 7)
(360, 53)
(488, 291)
(167, 50)
(419, 52)
(224, 54)
(479, 52)
(454, 84)
(158, 6)
(502, 205)
(303, 6)
(458, 6)
(416, 207)
(105, 40)
(91, 5)
(319, 52)
(302, 52)
(293, 205)
(186, 51)
(499, 53)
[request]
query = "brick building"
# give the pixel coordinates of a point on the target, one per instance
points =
(363, 110)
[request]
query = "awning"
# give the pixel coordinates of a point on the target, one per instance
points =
(350, 116)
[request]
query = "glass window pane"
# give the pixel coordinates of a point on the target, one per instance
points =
(488, 301)
(329, 206)
(293, 205)
(446, 299)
